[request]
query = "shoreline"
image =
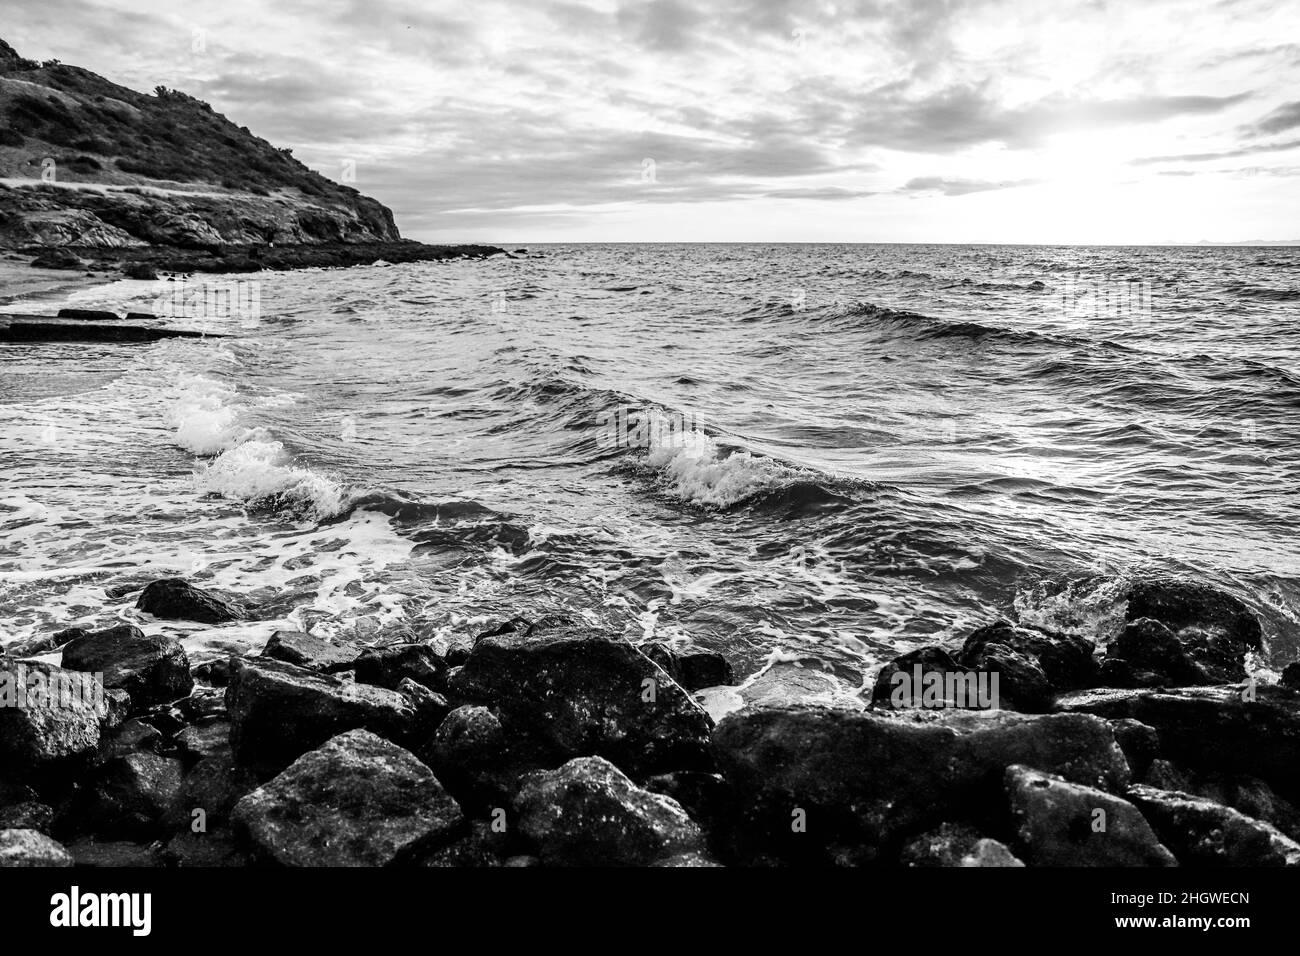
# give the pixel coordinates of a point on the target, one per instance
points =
(548, 743)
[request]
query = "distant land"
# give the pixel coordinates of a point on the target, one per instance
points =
(95, 174)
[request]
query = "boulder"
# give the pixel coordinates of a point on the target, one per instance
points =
(389, 666)
(29, 848)
(28, 815)
(1201, 832)
(476, 760)
(869, 779)
(51, 719)
(131, 794)
(206, 850)
(1291, 676)
(1242, 792)
(588, 813)
(1031, 667)
(89, 315)
(1179, 634)
(175, 599)
(358, 800)
(691, 667)
(309, 651)
(214, 785)
(956, 845)
(94, 853)
(1246, 729)
(693, 860)
(152, 669)
(1059, 823)
(279, 711)
(579, 693)
(1140, 743)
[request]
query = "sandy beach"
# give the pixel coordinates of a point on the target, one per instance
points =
(20, 282)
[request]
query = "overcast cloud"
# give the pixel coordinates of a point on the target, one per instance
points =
(945, 120)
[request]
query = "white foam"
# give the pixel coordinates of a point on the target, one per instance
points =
(257, 471)
(695, 470)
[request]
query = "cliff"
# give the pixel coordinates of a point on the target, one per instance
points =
(88, 164)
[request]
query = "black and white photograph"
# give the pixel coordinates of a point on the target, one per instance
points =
(855, 436)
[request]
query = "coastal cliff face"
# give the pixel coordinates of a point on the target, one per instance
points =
(87, 163)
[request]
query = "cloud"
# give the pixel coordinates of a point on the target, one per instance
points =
(959, 187)
(1221, 154)
(1285, 117)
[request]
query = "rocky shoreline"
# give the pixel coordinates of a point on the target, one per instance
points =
(548, 743)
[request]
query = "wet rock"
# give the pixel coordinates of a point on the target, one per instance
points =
(175, 599)
(476, 760)
(452, 649)
(203, 706)
(205, 740)
(869, 779)
(57, 259)
(696, 860)
(358, 800)
(20, 847)
(1250, 795)
(1201, 832)
(132, 735)
(1059, 823)
(1139, 742)
(132, 793)
(279, 711)
(28, 815)
(1031, 667)
(692, 668)
(213, 786)
(588, 813)
(1245, 729)
(389, 666)
(94, 853)
(152, 669)
(214, 673)
(1180, 634)
(37, 738)
(1291, 676)
(89, 315)
(430, 708)
(309, 651)
(705, 797)
(956, 845)
(190, 850)
(482, 848)
(579, 692)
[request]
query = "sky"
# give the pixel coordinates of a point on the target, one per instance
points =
(516, 121)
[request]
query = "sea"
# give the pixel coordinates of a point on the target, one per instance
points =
(815, 454)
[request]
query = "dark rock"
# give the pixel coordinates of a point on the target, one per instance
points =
(132, 793)
(175, 599)
(692, 668)
(869, 779)
(111, 854)
(27, 848)
(705, 797)
(152, 669)
(356, 801)
(279, 711)
(1291, 676)
(388, 666)
(1059, 823)
(1139, 742)
(307, 650)
(587, 813)
(140, 270)
(205, 740)
(204, 705)
(452, 649)
(132, 735)
(956, 845)
(580, 693)
(57, 259)
(482, 848)
(1213, 728)
(694, 860)
(214, 785)
(1250, 795)
(192, 850)
(215, 673)
(29, 815)
(36, 738)
(476, 761)
(1031, 666)
(1179, 634)
(430, 708)
(89, 315)
(1204, 833)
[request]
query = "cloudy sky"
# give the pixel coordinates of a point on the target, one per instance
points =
(727, 120)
